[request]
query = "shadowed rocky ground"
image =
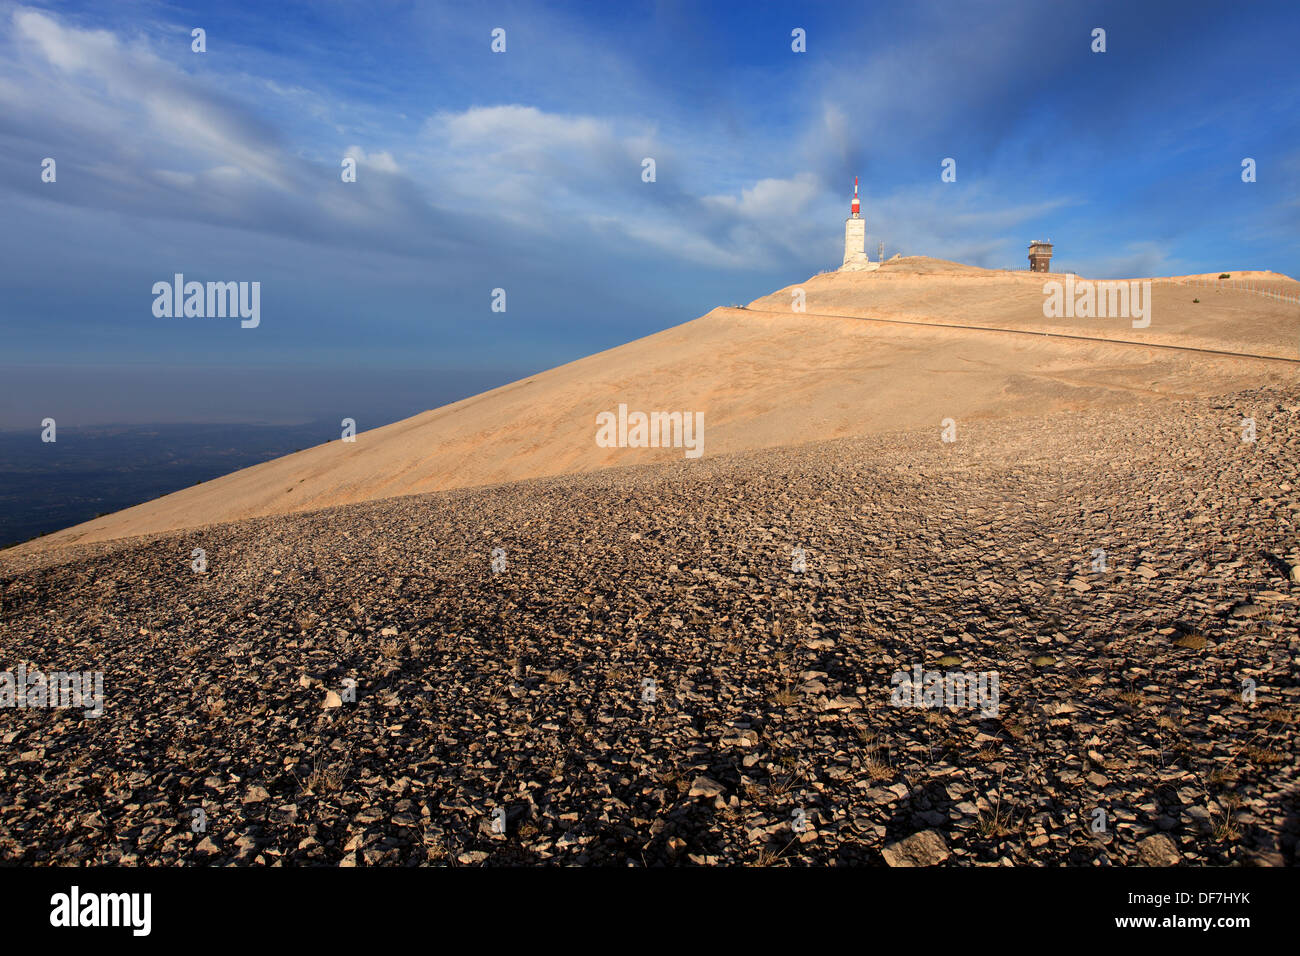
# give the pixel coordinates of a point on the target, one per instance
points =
(526, 688)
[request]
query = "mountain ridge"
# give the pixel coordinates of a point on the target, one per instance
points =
(766, 375)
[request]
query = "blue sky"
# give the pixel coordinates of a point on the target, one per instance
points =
(522, 170)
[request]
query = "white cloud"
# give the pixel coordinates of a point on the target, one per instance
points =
(565, 181)
(69, 50)
(772, 200)
(515, 127)
(382, 161)
(113, 78)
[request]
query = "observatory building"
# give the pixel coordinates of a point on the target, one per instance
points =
(1040, 255)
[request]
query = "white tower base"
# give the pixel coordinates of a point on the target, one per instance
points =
(860, 265)
(855, 246)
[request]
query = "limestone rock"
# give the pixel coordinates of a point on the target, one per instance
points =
(925, 848)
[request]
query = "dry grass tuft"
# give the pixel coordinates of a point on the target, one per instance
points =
(1134, 699)
(327, 777)
(785, 697)
(876, 759)
(1263, 757)
(1226, 828)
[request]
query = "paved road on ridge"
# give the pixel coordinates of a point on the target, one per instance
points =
(1057, 335)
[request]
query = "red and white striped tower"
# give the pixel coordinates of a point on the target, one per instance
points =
(855, 233)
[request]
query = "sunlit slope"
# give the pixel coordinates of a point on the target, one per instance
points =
(923, 289)
(772, 378)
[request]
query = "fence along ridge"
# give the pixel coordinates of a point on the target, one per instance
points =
(1275, 291)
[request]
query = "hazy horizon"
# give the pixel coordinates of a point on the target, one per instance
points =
(80, 396)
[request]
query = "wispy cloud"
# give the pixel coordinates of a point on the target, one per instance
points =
(524, 170)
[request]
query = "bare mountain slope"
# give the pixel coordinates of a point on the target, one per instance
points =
(769, 376)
